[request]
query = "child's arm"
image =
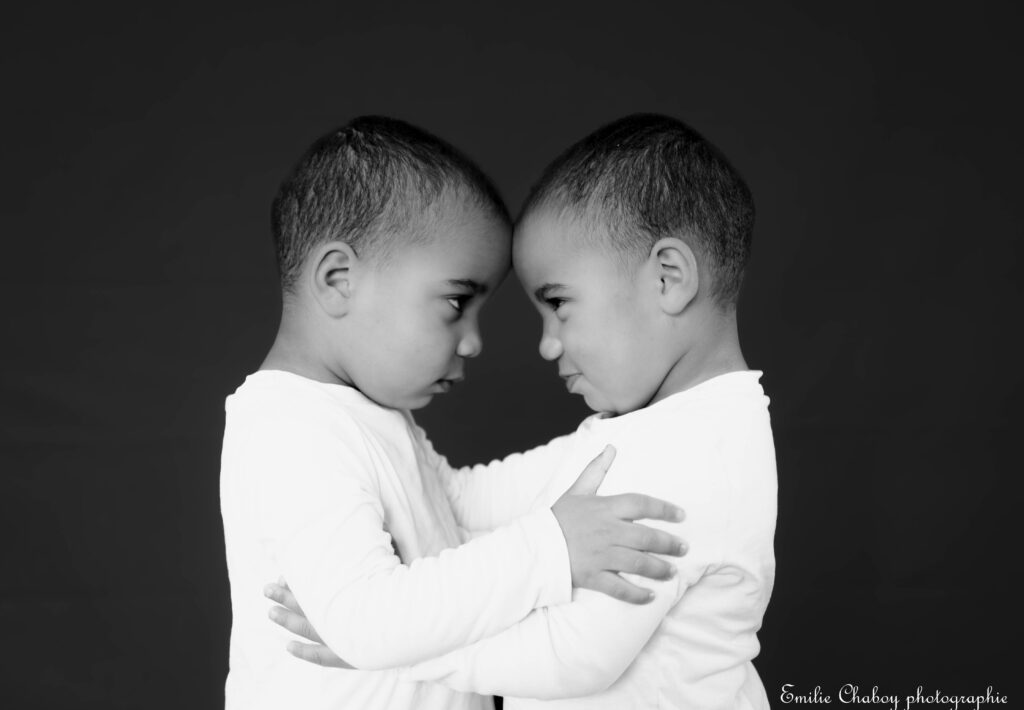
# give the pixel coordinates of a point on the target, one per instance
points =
(325, 510)
(486, 496)
(567, 651)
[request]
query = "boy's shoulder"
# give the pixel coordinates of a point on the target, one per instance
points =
(282, 399)
(264, 386)
(287, 394)
(721, 407)
(724, 419)
(288, 408)
(274, 403)
(709, 450)
(716, 435)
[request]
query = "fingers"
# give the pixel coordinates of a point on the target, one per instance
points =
(636, 506)
(645, 539)
(316, 653)
(307, 652)
(622, 559)
(296, 623)
(290, 617)
(592, 476)
(281, 594)
(616, 587)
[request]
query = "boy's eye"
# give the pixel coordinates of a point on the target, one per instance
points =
(458, 302)
(555, 303)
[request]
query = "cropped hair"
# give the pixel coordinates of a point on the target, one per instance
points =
(371, 184)
(646, 177)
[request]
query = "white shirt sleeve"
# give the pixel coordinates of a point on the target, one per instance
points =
(486, 496)
(565, 651)
(319, 500)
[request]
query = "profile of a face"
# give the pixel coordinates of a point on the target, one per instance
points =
(414, 320)
(600, 318)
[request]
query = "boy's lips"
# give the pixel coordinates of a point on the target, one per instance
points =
(570, 379)
(445, 383)
(442, 386)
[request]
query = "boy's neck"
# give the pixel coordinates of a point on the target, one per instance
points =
(716, 351)
(296, 351)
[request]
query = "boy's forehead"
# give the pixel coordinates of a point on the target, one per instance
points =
(454, 213)
(457, 223)
(467, 245)
(547, 238)
(542, 230)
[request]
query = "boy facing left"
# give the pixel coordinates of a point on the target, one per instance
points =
(388, 243)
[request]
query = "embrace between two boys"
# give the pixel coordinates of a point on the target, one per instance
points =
(443, 586)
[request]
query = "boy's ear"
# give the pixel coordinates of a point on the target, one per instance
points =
(334, 264)
(677, 272)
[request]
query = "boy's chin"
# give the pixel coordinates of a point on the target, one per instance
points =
(597, 403)
(602, 405)
(420, 402)
(416, 400)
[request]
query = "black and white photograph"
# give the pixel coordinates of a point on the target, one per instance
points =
(478, 356)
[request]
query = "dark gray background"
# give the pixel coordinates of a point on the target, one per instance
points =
(142, 149)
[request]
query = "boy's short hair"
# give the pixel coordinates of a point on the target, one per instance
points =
(365, 184)
(645, 177)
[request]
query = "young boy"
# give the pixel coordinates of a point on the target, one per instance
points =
(388, 243)
(634, 244)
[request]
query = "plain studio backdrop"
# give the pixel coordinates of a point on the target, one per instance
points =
(142, 149)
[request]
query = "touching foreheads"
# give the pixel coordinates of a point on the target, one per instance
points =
(646, 177)
(371, 184)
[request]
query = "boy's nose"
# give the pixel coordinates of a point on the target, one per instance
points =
(471, 344)
(550, 347)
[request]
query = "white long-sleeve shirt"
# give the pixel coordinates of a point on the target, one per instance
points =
(317, 484)
(710, 450)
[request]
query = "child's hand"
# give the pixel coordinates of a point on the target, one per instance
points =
(602, 542)
(290, 616)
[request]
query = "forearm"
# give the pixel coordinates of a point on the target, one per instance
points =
(389, 615)
(486, 496)
(570, 650)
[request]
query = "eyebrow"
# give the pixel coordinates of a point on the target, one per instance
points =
(542, 293)
(475, 286)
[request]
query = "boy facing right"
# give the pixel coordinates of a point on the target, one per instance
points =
(633, 245)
